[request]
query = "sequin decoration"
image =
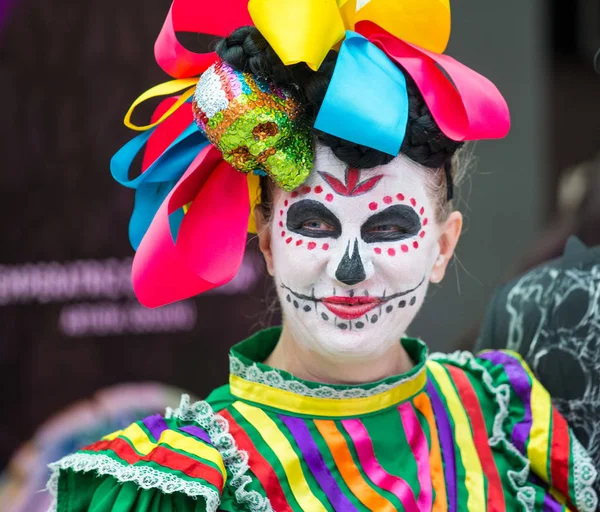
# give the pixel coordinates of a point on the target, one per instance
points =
(256, 125)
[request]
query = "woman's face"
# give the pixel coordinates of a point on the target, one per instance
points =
(352, 253)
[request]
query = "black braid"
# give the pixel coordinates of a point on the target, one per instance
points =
(247, 50)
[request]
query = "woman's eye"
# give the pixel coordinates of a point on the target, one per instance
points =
(317, 225)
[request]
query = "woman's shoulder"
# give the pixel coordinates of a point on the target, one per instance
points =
(492, 368)
(181, 455)
(498, 391)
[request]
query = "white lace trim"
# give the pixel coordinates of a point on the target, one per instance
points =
(235, 460)
(144, 476)
(274, 379)
(586, 499)
(584, 472)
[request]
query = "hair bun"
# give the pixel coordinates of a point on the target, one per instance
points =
(248, 51)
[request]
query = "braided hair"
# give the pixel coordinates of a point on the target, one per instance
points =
(247, 50)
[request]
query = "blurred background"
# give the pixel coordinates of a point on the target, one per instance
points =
(80, 357)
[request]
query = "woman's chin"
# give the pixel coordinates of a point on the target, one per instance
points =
(349, 346)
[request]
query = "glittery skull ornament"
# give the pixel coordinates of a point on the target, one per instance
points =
(256, 125)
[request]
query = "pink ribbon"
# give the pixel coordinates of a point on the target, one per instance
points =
(467, 107)
(212, 237)
(200, 17)
(167, 131)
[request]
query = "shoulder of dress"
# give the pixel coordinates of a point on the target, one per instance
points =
(188, 450)
(490, 361)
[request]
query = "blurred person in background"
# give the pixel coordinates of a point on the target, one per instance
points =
(348, 159)
(550, 314)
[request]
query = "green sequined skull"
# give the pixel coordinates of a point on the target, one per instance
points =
(257, 126)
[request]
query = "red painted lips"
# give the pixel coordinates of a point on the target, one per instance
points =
(350, 308)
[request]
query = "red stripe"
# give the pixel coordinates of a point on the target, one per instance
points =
(260, 467)
(163, 457)
(495, 496)
(559, 457)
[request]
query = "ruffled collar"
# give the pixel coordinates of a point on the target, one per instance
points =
(252, 380)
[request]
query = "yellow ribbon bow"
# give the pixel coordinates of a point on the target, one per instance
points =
(305, 30)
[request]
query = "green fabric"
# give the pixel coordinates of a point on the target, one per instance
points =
(394, 453)
(87, 492)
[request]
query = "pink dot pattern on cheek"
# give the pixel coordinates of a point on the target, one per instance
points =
(391, 251)
(416, 244)
(387, 200)
(281, 212)
(288, 240)
(311, 246)
(318, 189)
(305, 190)
(422, 210)
(329, 197)
(286, 202)
(413, 201)
(283, 233)
(294, 194)
(280, 223)
(422, 234)
(377, 250)
(325, 247)
(298, 243)
(404, 248)
(373, 206)
(400, 197)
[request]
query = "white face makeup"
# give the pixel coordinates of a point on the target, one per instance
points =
(352, 253)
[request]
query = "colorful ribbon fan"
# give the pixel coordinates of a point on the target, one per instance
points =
(193, 209)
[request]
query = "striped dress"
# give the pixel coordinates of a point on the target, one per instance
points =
(456, 433)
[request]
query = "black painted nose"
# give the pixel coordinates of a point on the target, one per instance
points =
(350, 271)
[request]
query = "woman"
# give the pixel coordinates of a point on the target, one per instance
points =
(335, 410)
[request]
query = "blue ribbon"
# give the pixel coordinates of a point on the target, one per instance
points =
(367, 100)
(154, 184)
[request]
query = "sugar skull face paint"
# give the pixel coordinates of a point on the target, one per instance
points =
(352, 254)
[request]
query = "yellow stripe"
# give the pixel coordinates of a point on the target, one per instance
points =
(539, 437)
(142, 444)
(538, 446)
(112, 436)
(285, 453)
(288, 401)
(474, 480)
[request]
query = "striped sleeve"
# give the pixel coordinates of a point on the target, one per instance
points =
(161, 457)
(542, 435)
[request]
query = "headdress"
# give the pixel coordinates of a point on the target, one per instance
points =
(206, 148)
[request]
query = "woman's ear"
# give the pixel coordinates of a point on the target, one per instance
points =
(263, 229)
(449, 235)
